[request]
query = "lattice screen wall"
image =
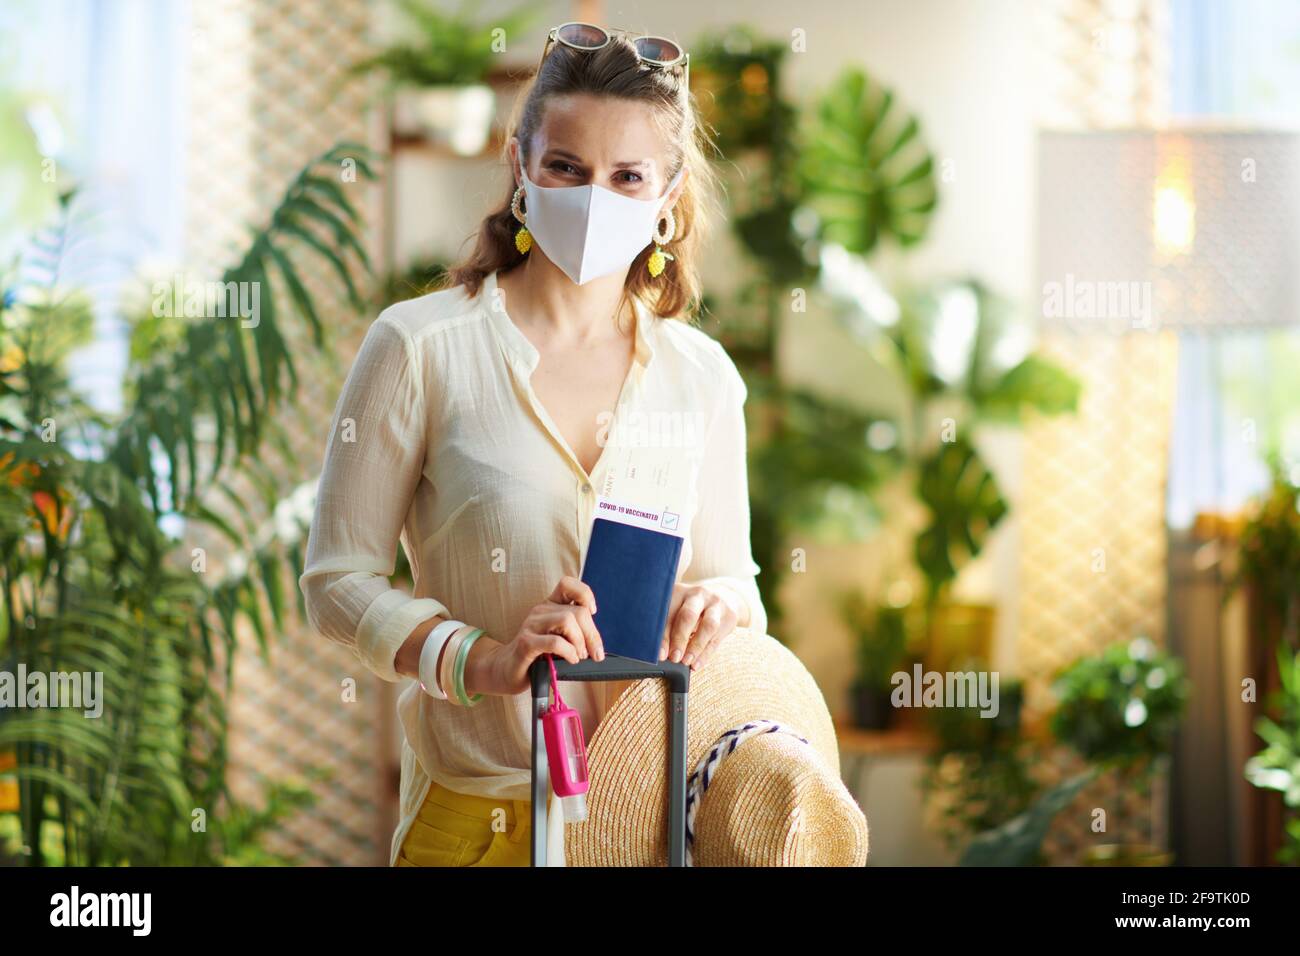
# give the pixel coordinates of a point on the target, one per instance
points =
(1108, 63)
(1092, 514)
(1093, 543)
(268, 91)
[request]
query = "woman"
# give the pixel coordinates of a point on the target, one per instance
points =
(474, 424)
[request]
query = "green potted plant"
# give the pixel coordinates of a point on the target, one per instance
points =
(1269, 564)
(1119, 710)
(815, 460)
(979, 775)
(1018, 841)
(829, 187)
(1267, 569)
(964, 729)
(1277, 766)
(950, 347)
(95, 578)
(880, 635)
(438, 79)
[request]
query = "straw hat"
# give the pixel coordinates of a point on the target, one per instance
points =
(775, 798)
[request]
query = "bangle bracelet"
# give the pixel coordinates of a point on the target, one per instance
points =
(458, 672)
(462, 655)
(433, 646)
(445, 670)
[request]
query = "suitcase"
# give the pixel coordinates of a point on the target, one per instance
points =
(613, 667)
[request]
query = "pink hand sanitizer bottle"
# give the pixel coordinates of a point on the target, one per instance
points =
(566, 754)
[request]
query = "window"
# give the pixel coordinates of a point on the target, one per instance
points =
(1238, 396)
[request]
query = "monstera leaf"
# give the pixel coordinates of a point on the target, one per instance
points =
(770, 238)
(1035, 383)
(965, 505)
(865, 168)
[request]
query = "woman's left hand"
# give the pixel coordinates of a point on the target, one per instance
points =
(698, 619)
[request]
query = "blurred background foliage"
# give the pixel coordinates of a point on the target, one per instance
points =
(1118, 710)
(450, 48)
(1277, 765)
(823, 190)
(1268, 569)
(92, 579)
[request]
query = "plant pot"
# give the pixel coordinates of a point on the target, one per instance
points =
(1011, 703)
(457, 117)
(871, 707)
(9, 802)
(959, 633)
(1127, 854)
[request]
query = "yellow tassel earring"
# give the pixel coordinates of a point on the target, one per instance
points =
(659, 259)
(523, 238)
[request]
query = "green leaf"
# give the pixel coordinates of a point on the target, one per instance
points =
(115, 596)
(1019, 841)
(864, 167)
(298, 292)
(293, 228)
(965, 506)
(270, 570)
(1036, 383)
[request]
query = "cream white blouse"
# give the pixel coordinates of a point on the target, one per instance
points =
(439, 440)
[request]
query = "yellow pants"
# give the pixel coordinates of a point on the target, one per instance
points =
(458, 829)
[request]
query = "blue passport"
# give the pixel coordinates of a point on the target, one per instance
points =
(631, 571)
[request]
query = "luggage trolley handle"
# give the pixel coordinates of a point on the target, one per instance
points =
(613, 667)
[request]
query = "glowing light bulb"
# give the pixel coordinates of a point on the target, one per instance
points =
(1175, 215)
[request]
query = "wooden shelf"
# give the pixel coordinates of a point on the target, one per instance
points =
(896, 740)
(402, 142)
(505, 83)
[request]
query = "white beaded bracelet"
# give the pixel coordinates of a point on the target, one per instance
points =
(429, 658)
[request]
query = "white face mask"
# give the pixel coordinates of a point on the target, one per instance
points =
(590, 231)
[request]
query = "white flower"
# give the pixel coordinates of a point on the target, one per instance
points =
(287, 528)
(304, 501)
(1142, 649)
(881, 435)
(236, 566)
(1135, 714)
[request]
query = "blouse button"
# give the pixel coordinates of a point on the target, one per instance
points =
(586, 489)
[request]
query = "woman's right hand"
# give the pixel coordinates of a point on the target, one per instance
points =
(560, 625)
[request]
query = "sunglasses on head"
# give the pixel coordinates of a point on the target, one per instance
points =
(657, 51)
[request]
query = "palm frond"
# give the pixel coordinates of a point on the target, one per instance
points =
(233, 376)
(91, 584)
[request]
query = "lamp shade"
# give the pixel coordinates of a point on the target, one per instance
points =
(1140, 229)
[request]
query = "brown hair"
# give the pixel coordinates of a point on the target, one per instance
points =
(613, 70)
